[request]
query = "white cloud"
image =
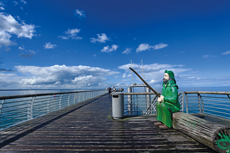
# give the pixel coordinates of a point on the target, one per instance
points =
(225, 53)
(127, 51)
(71, 33)
(80, 13)
(88, 80)
(153, 72)
(101, 38)
(2, 8)
(144, 47)
(49, 46)
(160, 46)
(79, 75)
(23, 1)
(9, 26)
(21, 48)
(107, 49)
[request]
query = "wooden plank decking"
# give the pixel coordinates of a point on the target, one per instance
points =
(87, 127)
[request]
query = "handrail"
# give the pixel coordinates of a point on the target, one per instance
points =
(44, 94)
(16, 109)
(140, 93)
(207, 92)
(205, 100)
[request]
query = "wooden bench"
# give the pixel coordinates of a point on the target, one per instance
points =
(213, 135)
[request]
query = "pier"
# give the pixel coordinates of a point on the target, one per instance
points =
(88, 126)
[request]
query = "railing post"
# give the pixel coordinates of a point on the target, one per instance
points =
(183, 102)
(202, 103)
(130, 107)
(1, 106)
(199, 102)
(60, 102)
(148, 98)
(48, 104)
(30, 109)
(68, 99)
(75, 95)
(186, 103)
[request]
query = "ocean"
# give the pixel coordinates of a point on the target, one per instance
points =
(9, 92)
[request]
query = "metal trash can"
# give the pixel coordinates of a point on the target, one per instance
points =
(117, 105)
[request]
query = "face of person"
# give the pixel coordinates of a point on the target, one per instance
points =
(166, 78)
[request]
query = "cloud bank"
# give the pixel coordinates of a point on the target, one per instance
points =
(63, 76)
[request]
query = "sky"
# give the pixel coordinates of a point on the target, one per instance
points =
(90, 44)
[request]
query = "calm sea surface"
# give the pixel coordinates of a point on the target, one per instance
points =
(11, 92)
(140, 89)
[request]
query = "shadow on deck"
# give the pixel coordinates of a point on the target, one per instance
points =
(87, 126)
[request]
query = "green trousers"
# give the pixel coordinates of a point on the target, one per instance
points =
(164, 113)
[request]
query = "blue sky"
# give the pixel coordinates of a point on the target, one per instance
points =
(90, 44)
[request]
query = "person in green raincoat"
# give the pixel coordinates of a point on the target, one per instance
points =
(168, 102)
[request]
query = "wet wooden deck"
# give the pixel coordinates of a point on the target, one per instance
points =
(87, 126)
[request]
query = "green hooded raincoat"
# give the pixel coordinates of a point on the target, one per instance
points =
(170, 104)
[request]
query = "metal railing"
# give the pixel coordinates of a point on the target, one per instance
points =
(211, 103)
(206, 102)
(20, 108)
(139, 103)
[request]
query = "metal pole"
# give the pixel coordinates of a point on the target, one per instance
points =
(202, 102)
(75, 95)
(48, 104)
(186, 103)
(130, 100)
(30, 109)
(68, 99)
(1, 106)
(148, 98)
(199, 102)
(60, 102)
(183, 102)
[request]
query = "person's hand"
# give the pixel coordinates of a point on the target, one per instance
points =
(160, 99)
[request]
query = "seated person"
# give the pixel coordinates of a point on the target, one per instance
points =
(168, 102)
